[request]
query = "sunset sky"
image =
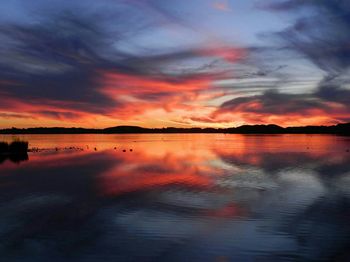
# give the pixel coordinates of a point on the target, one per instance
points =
(183, 63)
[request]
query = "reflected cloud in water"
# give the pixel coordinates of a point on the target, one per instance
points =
(199, 197)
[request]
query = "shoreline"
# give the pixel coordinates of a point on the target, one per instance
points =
(339, 129)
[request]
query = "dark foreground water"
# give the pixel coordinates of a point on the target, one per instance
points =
(177, 198)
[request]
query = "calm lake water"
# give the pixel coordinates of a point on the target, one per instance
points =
(177, 197)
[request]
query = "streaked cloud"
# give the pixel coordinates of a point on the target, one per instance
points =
(151, 63)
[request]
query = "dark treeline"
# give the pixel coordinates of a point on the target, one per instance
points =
(341, 129)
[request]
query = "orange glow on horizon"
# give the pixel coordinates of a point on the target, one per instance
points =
(156, 103)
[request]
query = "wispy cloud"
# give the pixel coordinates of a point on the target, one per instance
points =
(222, 5)
(133, 60)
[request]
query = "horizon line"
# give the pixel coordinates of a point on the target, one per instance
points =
(340, 128)
(152, 128)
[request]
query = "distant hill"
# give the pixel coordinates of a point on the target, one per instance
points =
(340, 129)
(257, 129)
(125, 129)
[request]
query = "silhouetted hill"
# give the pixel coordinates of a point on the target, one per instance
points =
(257, 129)
(125, 129)
(343, 129)
(339, 129)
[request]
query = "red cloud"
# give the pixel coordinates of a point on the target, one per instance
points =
(281, 109)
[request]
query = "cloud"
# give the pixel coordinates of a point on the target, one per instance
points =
(333, 92)
(283, 108)
(14, 115)
(322, 36)
(82, 69)
(222, 6)
(273, 102)
(70, 66)
(285, 5)
(58, 115)
(49, 67)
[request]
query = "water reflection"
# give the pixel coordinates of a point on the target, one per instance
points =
(178, 197)
(15, 158)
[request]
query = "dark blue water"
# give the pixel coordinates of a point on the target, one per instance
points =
(177, 198)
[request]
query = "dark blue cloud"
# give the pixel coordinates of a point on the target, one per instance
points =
(275, 103)
(321, 33)
(59, 59)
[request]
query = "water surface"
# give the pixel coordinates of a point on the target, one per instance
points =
(177, 197)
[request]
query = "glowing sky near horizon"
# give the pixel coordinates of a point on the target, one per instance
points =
(158, 63)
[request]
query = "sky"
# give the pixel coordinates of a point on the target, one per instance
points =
(161, 63)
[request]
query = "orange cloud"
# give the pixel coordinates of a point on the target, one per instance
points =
(222, 6)
(230, 54)
(141, 94)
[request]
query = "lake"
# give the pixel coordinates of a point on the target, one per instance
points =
(177, 197)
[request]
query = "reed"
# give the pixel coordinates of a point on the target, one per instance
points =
(4, 147)
(15, 147)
